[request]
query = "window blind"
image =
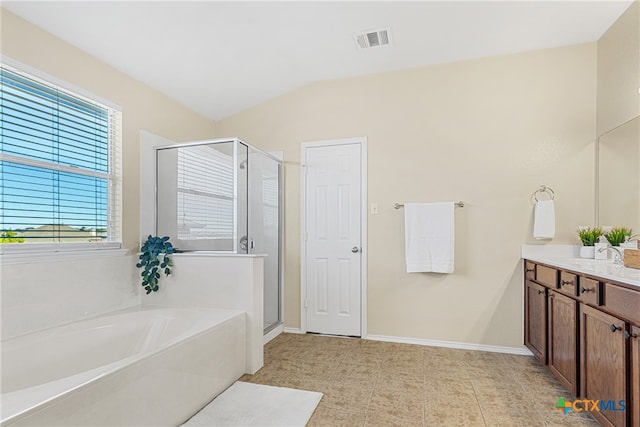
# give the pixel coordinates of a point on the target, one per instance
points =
(59, 164)
(205, 194)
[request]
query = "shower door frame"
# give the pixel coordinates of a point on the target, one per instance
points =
(235, 142)
(280, 162)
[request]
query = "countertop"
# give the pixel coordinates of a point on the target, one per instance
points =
(604, 269)
(566, 257)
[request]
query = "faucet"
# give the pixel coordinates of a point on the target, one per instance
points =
(617, 258)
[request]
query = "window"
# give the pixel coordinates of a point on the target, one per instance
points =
(59, 165)
(205, 194)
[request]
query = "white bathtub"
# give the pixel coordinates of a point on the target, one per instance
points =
(146, 366)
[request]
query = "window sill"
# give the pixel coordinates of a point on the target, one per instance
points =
(35, 254)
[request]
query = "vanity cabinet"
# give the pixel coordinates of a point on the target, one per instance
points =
(563, 343)
(603, 362)
(587, 331)
(536, 311)
(634, 338)
(568, 283)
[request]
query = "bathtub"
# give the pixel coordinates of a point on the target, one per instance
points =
(144, 366)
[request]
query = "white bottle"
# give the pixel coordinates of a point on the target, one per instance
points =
(601, 252)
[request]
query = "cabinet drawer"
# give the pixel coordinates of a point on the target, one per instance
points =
(622, 301)
(546, 275)
(567, 283)
(589, 291)
(529, 270)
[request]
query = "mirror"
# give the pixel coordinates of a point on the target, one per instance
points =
(618, 178)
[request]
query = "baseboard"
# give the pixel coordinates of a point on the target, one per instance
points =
(451, 344)
(273, 333)
(436, 343)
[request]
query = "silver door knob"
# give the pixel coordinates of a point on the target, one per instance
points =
(355, 249)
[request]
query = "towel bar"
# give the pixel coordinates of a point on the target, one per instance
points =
(400, 205)
(543, 189)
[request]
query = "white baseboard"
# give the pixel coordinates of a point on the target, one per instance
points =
(273, 333)
(435, 343)
(451, 344)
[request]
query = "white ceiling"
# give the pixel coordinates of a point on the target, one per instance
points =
(219, 58)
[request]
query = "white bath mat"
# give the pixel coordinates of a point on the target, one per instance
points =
(253, 405)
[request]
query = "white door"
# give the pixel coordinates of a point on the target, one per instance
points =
(332, 239)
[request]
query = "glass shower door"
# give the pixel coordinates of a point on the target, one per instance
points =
(264, 229)
(202, 196)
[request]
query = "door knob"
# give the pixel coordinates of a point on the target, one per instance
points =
(355, 249)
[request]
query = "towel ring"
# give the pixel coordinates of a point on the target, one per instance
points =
(544, 189)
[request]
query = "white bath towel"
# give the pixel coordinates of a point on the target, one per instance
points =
(429, 237)
(544, 221)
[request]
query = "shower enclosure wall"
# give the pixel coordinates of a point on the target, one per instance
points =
(224, 196)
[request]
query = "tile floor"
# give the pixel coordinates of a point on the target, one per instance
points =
(373, 383)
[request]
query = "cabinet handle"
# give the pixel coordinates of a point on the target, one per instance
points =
(565, 282)
(627, 335)
(540, 292)
(615, 328)
(530, 270)
(584, 290)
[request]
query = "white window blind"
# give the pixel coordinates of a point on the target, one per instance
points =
(270, 201)
(205, 194)
(60, 175)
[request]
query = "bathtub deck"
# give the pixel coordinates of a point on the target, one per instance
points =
(188, 357)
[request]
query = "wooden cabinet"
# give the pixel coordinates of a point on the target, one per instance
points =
(589, 291)
(547, 276)
(563, 343)
(603, 360)
(587, 330)
(529, 271)
(634, 339)
(622, 301)
(535, 332)
(568, 283)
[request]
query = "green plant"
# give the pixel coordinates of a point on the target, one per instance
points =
(10, 237)
(155, 256)
(589, 235)
(618, 235)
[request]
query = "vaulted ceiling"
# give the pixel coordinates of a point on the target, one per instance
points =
(221, 57)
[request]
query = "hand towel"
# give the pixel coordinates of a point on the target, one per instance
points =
(429, 237)
(544, 221)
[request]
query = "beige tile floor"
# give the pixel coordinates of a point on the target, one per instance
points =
(373, 383)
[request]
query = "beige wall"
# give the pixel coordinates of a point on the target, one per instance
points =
(619, 71)
(142, 107)
(618, 102)
(487, 132)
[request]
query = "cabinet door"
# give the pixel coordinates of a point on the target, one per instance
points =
(635, 376)
(603, 366)
(535, 320)
(563, 346)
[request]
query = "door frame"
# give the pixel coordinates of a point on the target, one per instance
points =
(362, 141)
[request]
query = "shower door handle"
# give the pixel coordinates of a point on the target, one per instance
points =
(355, 249)
(244, 240)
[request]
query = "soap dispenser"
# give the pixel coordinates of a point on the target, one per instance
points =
(601, 253)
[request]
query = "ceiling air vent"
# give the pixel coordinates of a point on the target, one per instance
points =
(373, 38)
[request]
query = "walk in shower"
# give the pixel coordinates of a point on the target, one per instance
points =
(224, 196)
